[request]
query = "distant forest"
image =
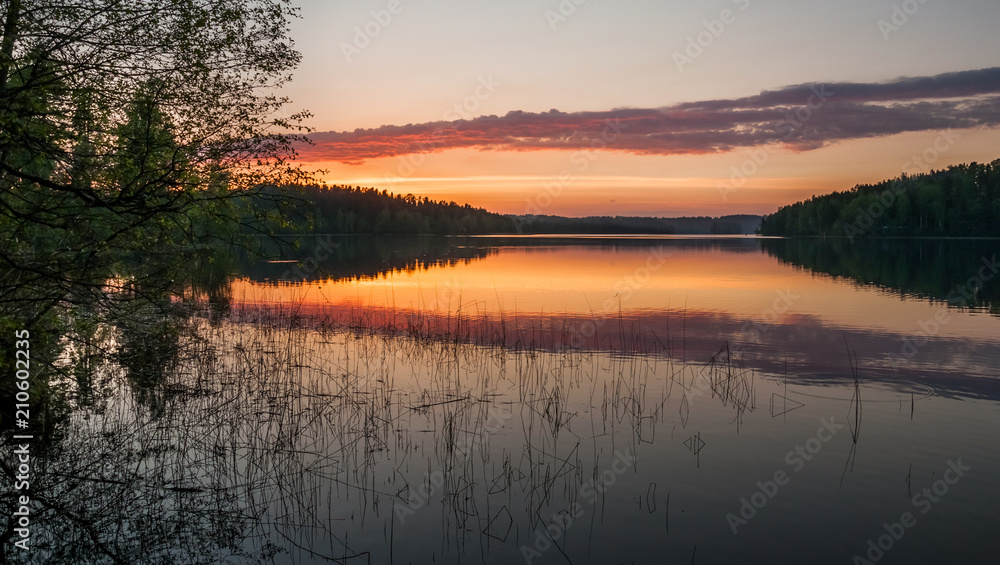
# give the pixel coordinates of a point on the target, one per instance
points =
(741, 224)
(356, 210)
(963, 200)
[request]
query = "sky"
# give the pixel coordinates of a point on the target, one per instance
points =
(642, 107)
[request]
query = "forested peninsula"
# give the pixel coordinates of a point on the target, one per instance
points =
(960, 201)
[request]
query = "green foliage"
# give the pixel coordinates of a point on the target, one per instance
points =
(356, 210)
(47, 392)
(961, 201)
(133, 130)
(132, 138)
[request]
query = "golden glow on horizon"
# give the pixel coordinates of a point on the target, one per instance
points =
(614, 183)
(577, 282)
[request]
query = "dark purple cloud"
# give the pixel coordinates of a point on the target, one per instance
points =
(802, 117)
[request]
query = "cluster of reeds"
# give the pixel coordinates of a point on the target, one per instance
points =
(277, 437)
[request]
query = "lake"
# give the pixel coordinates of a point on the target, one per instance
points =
(579, 399)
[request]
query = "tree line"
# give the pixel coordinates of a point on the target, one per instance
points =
(962, 200)
(698, 225)
(335, 209)
(356, 210)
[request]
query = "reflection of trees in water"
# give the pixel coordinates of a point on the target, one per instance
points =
(146, 351)
(106, 481)
(259, 442)
(118, 490)
(357, 257)
(262, 442)
(939, 269)
(314, 258)
(127, 149)
(172, 463)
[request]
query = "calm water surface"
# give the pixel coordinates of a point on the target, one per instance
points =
(562, 400)
(643, 400)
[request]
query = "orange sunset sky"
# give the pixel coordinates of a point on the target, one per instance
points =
(636, 107)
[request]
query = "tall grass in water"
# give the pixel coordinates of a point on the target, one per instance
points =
(276, 437)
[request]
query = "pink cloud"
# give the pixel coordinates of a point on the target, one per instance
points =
(802, 117)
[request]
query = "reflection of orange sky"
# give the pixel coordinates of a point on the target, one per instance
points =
(614, 183)
(577, 281)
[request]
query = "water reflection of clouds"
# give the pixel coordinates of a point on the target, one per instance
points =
(704, 293)
(802, 346)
